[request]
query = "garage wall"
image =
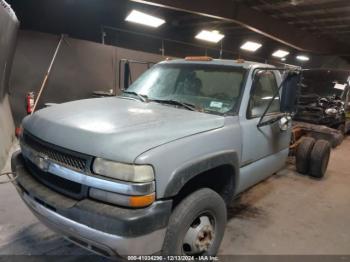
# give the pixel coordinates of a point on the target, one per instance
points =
(7, 130)
(8, 32)
(81, 67)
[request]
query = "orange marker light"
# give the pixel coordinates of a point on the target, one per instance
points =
(198, 58)
(141, 201)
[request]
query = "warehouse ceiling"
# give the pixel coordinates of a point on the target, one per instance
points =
(323, 18)
(298, 26)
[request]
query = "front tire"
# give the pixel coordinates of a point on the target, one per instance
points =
(197, 225)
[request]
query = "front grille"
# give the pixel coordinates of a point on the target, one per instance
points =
(58, 155)
(59, 184)
(70, 159)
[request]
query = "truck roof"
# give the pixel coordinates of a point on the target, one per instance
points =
(228, 62)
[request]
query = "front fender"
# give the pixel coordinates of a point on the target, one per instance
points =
(197, 166)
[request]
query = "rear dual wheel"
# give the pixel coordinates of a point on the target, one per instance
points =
(341, 128)
(312, 157)
(303, 155)
(319, 158)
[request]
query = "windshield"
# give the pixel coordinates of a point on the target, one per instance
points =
(208, 88)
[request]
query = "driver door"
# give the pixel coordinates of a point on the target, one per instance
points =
(265, 148)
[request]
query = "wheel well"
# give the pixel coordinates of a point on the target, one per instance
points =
(220, 179)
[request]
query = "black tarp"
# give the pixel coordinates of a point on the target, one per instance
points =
(8, 34)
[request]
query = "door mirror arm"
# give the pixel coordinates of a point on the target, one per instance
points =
(272, 120)
(289, 75)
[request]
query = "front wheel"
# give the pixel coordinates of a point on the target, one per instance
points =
(197, 225)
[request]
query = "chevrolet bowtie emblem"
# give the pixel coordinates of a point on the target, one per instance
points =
(42, 162)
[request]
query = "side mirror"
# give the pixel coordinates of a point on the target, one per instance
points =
(290, 91)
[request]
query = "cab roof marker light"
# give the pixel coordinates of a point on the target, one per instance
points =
(198, 58)
(144, 19)
(251, 46)
(303, 58)
(280, 53)
(210, 36)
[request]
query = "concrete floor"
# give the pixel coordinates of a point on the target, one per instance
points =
(286, 214)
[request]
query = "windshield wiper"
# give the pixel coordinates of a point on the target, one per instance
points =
(177, 103)
(143, 98)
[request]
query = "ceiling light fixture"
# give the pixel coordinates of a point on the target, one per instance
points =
(144, 19)
(251, 46)
(280, 53)
(210, 36)
(303, 58)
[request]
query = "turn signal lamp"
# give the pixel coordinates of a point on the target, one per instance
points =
(141, 201)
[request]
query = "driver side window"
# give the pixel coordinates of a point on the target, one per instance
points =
(265, 86)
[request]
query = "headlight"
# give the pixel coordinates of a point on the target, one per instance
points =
(125, 172)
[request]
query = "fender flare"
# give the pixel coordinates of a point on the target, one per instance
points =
(191, 169)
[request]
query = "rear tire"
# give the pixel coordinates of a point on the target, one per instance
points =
(338, 139)
(341, 128)
(186, 233)
(319, 158)
(303, 153)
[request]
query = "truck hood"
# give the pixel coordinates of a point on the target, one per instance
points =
(116, 128)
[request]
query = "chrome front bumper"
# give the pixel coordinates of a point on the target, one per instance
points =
(101, 228)
(92, 239)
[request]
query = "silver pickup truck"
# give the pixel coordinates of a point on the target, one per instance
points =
(151, 171)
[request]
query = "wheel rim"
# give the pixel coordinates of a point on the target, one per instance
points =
(200, 235)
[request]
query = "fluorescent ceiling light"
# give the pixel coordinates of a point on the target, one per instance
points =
(303, 58)
(210, 36)
(280, 53)
(144, 19)
(251, 46)
(283, 59)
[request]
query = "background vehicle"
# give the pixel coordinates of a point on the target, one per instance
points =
(324, 98)
(153, 170)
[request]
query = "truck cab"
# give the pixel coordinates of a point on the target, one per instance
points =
(151, 171)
